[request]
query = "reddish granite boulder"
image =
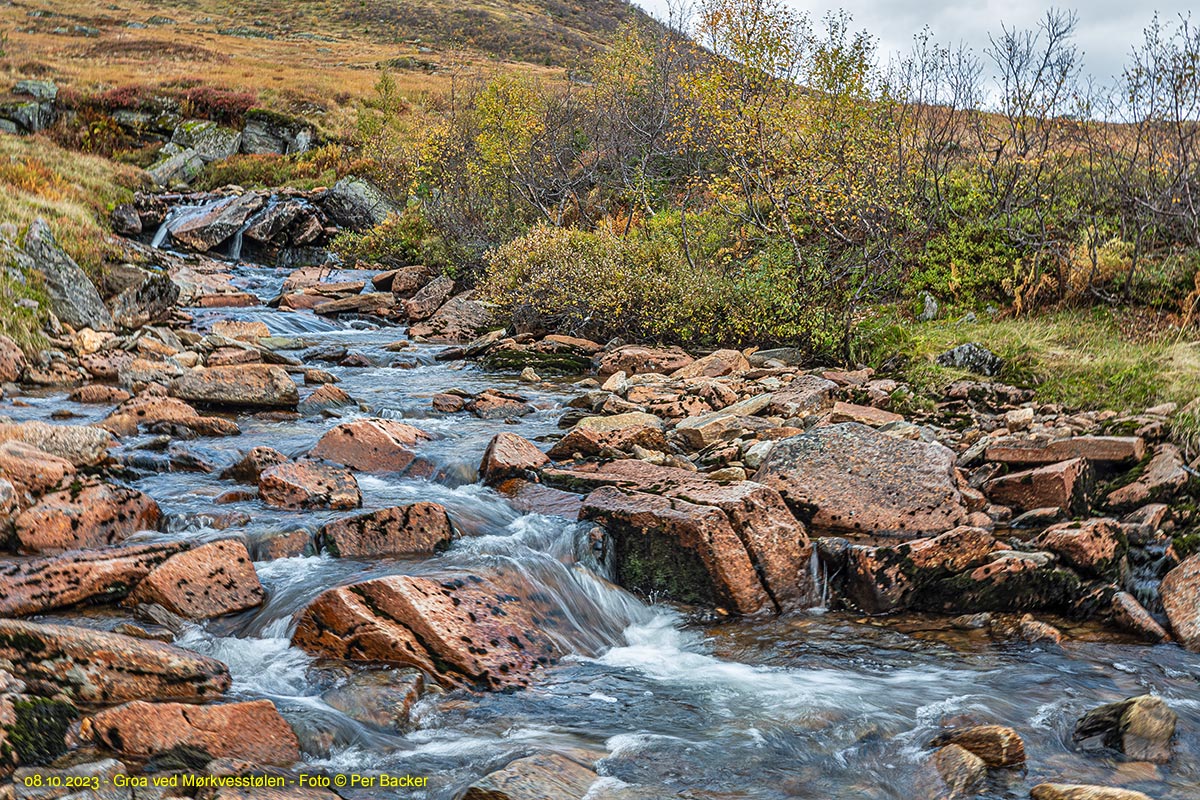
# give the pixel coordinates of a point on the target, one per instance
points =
(1095, 449)
(211, 580)
(510, 456)
(12, 361)
(714, 365)
(88, 515)
(151, 411)
(256, 461)
(1095, 547)
(251, 731)
(371, 445)
(308, 484)
(97, 667)
(31, 470)
(461, 630)
(636, 359)
(1180, 591)
(536, 777)
(429, 298)
(417, 529)
(1063, 485)
(240, 386)
(1163, 476)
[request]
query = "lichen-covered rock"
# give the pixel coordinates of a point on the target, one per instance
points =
(371, 445)
(417, 529)
(156, 413)
(510, 456)
(1062, 485)
(73, 296)
(241, 386)
(1180, 592)
(84, 515)
(211, 580)
(852, 478)
(1164, 475)
(637, 359)
(1095, 547)
(33, 730)
(460, 630)
(308, 484)
(82, 445)
(30, 470)
(97, 667)
(12, 361)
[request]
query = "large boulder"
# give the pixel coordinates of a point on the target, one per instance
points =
(88, 515)
(97, 667)
(252, 731)
(31, 470)
(429, 298)
(73, 297)
(307, 485)
(636, 359)
(357, 204)
(1180, 592)
(417, 529)
(459, 319)
(1094, 547)
(714, 365)
(509, 456)
(157, 413)
(32, 586)
(242, 386)
(1106, 450)
(34, 731)
(852, 478)
(462, 630)
(150, 299)
(1063, 485)
(267, 132)
(212, 142)
(1164, 475)
(211, 580)
(204, 230)
(998, 746)
(371, 445)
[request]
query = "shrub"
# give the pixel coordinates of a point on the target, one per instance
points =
(216, 103)
(401, 239)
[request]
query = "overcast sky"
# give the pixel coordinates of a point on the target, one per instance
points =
(1107, 28)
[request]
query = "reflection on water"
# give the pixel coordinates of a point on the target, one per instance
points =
(816, 706)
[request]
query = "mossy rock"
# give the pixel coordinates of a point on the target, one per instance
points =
(39, 733)
(517, 360)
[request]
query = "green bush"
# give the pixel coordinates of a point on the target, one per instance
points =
(400, 240)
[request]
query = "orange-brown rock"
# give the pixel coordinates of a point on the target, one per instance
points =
(1131, 616)
(157, 413)
(460, 319)
(1164, 475)
(370, 303)
(231, 356)
(88, 515)
(1180, 591)
(867, 415)
(805, 395)
(82, 445)
(31, 586)
(241, 330)
(417, 529)
(1062, 485)
(461, 630)
(211, 580)
(494, 404)
(672, 548)
(537, 777)
(252, 731)
(850, 477)
(714, 365)
(97, 667)
(12, 361)
(308, 484)
(1071, 791)
(326, 396)
(429, 298)
(99, 394)
(251, 465)
(241, 386)
(510, 456)
(1096, 449)
(371, 445)
(636, 359)
(406, 281)
(588, 442)
(31, 470)
(997, 745)
(1094, 547)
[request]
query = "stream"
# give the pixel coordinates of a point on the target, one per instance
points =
(665, 704)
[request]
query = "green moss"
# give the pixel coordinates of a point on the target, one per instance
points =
(516, 360)
(38, 736)
(654, 565)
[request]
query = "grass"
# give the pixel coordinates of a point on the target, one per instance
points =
(1085, 359)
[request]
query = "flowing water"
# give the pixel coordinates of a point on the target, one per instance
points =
(819, 705)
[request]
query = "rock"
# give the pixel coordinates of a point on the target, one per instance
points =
(1140, 727)
(972, 357)
(417, 529)
(308, 485)
(371, 445)
(99, 394)
(253, 464)
(355, 203)
(538, 777)
(12, 361)
(714, 365)
(34, 732)
(1180, 592)
(54, 781)
(243, 386)
(507, 456)
(267, 132)
(1036, 632)
(849, 477)
(805, 395)
(636, 359)
(1064, 791)
(929, 308)
(885, 579)
(1129, 615)
(202, 231)
(463, 631)
(82, 445)
(589, 442)
(703, 430)
(87, 515)
(155, 413)
(96, 667)
(1095, 547)
(676, 549)
(429, 299)
(179, 168)
(1094, 449)
(1163, 477)
(251, 731)
(460, 319)
(1063, 485)
(208, 581)
(1018, 419)
(211, 141)
(73, 297)
(866, 415)
(379, 303)
(996, 745)
(125, 219)
(493, 404)
(30, 470)
(961, 770)
(448, 403)
(79, 576)
(242, 331)
(407, 281)
(382, 698)
(327, 396)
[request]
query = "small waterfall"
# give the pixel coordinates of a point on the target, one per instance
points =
(178, 215)
(820, 582)
(235, 244)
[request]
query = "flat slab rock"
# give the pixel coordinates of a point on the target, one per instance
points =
(416, 529)
(101, 668)
(371, 445)
(208, 581)
(82, 516)
(463, 631)
(850, 478)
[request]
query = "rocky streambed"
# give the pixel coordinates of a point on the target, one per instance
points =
(267, 518)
